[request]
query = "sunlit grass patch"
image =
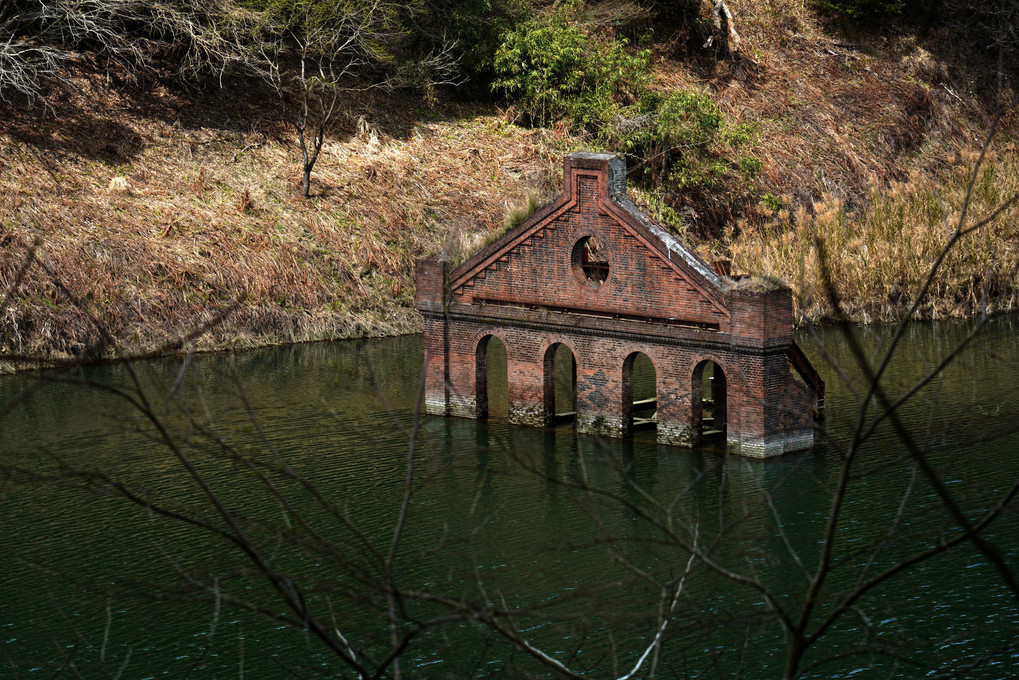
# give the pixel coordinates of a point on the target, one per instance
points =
(876, 257)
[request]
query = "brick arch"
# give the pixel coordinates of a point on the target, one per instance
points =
(627, 386)
(548, 340)
(719, 397)
(481, 343)
(550, 406)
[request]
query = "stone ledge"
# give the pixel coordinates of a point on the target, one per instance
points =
(593, 326)
(771, 445)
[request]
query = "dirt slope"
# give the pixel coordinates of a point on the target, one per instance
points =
(158, 209)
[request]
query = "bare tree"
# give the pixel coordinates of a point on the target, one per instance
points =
(26, 67)
(317, 51)
(38, 38)
(312, 52)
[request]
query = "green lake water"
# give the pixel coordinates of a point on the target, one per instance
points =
(558, 527)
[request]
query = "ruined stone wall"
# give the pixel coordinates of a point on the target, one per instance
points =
(531, 290)
(543, 269)
(768, 409)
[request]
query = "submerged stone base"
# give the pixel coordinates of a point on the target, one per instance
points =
(600, 425)
(463, 405)
(435, 405)
(678, 435)
(774, 445)
(523, 413)
(682, 435)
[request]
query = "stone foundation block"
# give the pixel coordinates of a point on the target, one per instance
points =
(463, 406)
(605, 426)
(435, 405)
(676, 435)
(773, 445)
(521, 413)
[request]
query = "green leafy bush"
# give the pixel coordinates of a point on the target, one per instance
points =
(771, 202)
(738, 135)
(667, 137)
(749, 165)
(472, 31)
(475, 27)
(556, 71)
(677, 141)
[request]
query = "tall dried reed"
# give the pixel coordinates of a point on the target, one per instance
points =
(879, 254)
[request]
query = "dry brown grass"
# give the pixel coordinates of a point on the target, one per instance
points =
(866, 140)
(839, 113)
(879, 256)
(197, 215)
(159, 208)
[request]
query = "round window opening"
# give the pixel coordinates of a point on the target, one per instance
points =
(590, 261)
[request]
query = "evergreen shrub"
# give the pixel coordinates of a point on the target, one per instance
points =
(556, 71)
(668, 137)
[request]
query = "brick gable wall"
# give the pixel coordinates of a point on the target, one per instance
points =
(529, 290)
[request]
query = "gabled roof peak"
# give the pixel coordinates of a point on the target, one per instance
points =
(613, 169)
(597, 182)
(608, 164)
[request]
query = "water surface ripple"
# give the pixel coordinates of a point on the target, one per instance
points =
(578, 534)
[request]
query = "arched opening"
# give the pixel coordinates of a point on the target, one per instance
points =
(640, 394)
(492, 386)
(560, 382)
(708, 397)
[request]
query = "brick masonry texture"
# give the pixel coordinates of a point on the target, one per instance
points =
(531, 290)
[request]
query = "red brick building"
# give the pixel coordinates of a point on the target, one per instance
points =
(590, 275)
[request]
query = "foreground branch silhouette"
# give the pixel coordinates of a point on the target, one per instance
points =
(313, 569)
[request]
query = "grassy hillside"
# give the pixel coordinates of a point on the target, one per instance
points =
(158, 207)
